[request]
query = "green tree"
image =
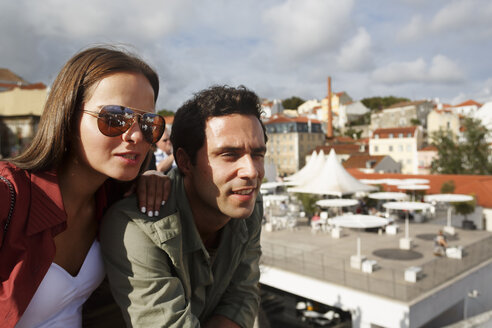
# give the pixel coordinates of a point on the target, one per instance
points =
(376, 103)
(308, 202)
(292, 102)
(469, 156)
(447, 187)
(465, 208)
(353, 133)
(165, 112)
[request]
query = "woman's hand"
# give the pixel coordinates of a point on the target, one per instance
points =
(153, 188)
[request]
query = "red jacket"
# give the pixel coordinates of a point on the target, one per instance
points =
(28, 247)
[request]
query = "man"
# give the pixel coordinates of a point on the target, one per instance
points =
(197, 264)
(164, 158)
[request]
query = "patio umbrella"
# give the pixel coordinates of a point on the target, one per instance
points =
(359, 221)
(337, 202)
(388, 195)
(448, 198)
(413, 187)
(407, 206)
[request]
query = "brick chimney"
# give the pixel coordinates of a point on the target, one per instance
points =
(329, 123)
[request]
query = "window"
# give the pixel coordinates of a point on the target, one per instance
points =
(400, 135)
(400, 147)
(391, 135)
(376, 148)
(409, 135)
(390, 148)
(409, 161)
(376, 136)
(409, 147)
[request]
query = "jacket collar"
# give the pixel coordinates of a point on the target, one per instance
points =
(46, 207)
(177, 221)
(191, 238)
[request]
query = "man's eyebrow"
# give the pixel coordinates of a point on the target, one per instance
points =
(260, 149)
(239, 149)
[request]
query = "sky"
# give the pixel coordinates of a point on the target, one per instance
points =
(417, 49)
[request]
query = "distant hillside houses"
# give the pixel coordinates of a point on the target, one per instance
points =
(21, 105)
(402, 132)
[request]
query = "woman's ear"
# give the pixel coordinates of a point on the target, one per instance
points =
(183, 161)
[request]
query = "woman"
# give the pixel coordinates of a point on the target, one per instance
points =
(97, 127)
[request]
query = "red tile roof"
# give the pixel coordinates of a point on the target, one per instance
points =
(429, 148)
(478, 185)
(469, 103)
(384, 133)
(360, 160)
(8, 75)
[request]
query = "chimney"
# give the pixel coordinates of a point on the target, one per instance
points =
(329, 123)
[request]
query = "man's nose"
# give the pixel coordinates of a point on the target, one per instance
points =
(248, 168)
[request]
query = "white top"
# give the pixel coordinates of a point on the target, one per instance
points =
(59, 298)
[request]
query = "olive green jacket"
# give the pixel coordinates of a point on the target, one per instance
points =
(161, 274)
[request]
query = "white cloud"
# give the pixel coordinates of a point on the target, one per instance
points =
(444, 70)
(414, 29)
(356, 54)
(299, 28)
(462, 19)
(441, 70)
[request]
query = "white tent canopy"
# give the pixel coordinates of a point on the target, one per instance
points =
(305, 168)
(309, 171)
(331, 179)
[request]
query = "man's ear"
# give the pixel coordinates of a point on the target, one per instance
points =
(183, 161)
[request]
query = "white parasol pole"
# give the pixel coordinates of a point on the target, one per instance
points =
(358, 247)
(406, 226)
(450, 209)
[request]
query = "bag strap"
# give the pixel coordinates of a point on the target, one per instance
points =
(12, 204)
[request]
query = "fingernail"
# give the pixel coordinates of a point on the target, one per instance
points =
(156, 213)
(150, 214)
(163, 202)
(143, 210)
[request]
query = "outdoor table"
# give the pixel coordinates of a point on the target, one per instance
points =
(358, 221)
(448, 198)
(406, 243)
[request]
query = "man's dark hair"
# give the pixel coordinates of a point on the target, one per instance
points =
(188, 130)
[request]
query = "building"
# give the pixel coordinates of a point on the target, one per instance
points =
(344, 147)
(372, 164)
(337, 99)
(309, 107)
(351, 112)
(402, 114)
(401, 144)
(425, 157)
(271, 107)
(290, 140)
(21, 105)
(442, 119)
(467, 108)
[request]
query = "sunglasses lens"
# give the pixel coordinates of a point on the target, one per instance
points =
(114, 120)
(152, 126)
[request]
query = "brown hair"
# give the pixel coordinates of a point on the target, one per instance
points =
(188, 131)
(71, 88)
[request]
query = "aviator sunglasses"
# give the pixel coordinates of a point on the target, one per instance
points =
(113, 121)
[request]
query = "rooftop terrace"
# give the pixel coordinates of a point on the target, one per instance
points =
(322, 257)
